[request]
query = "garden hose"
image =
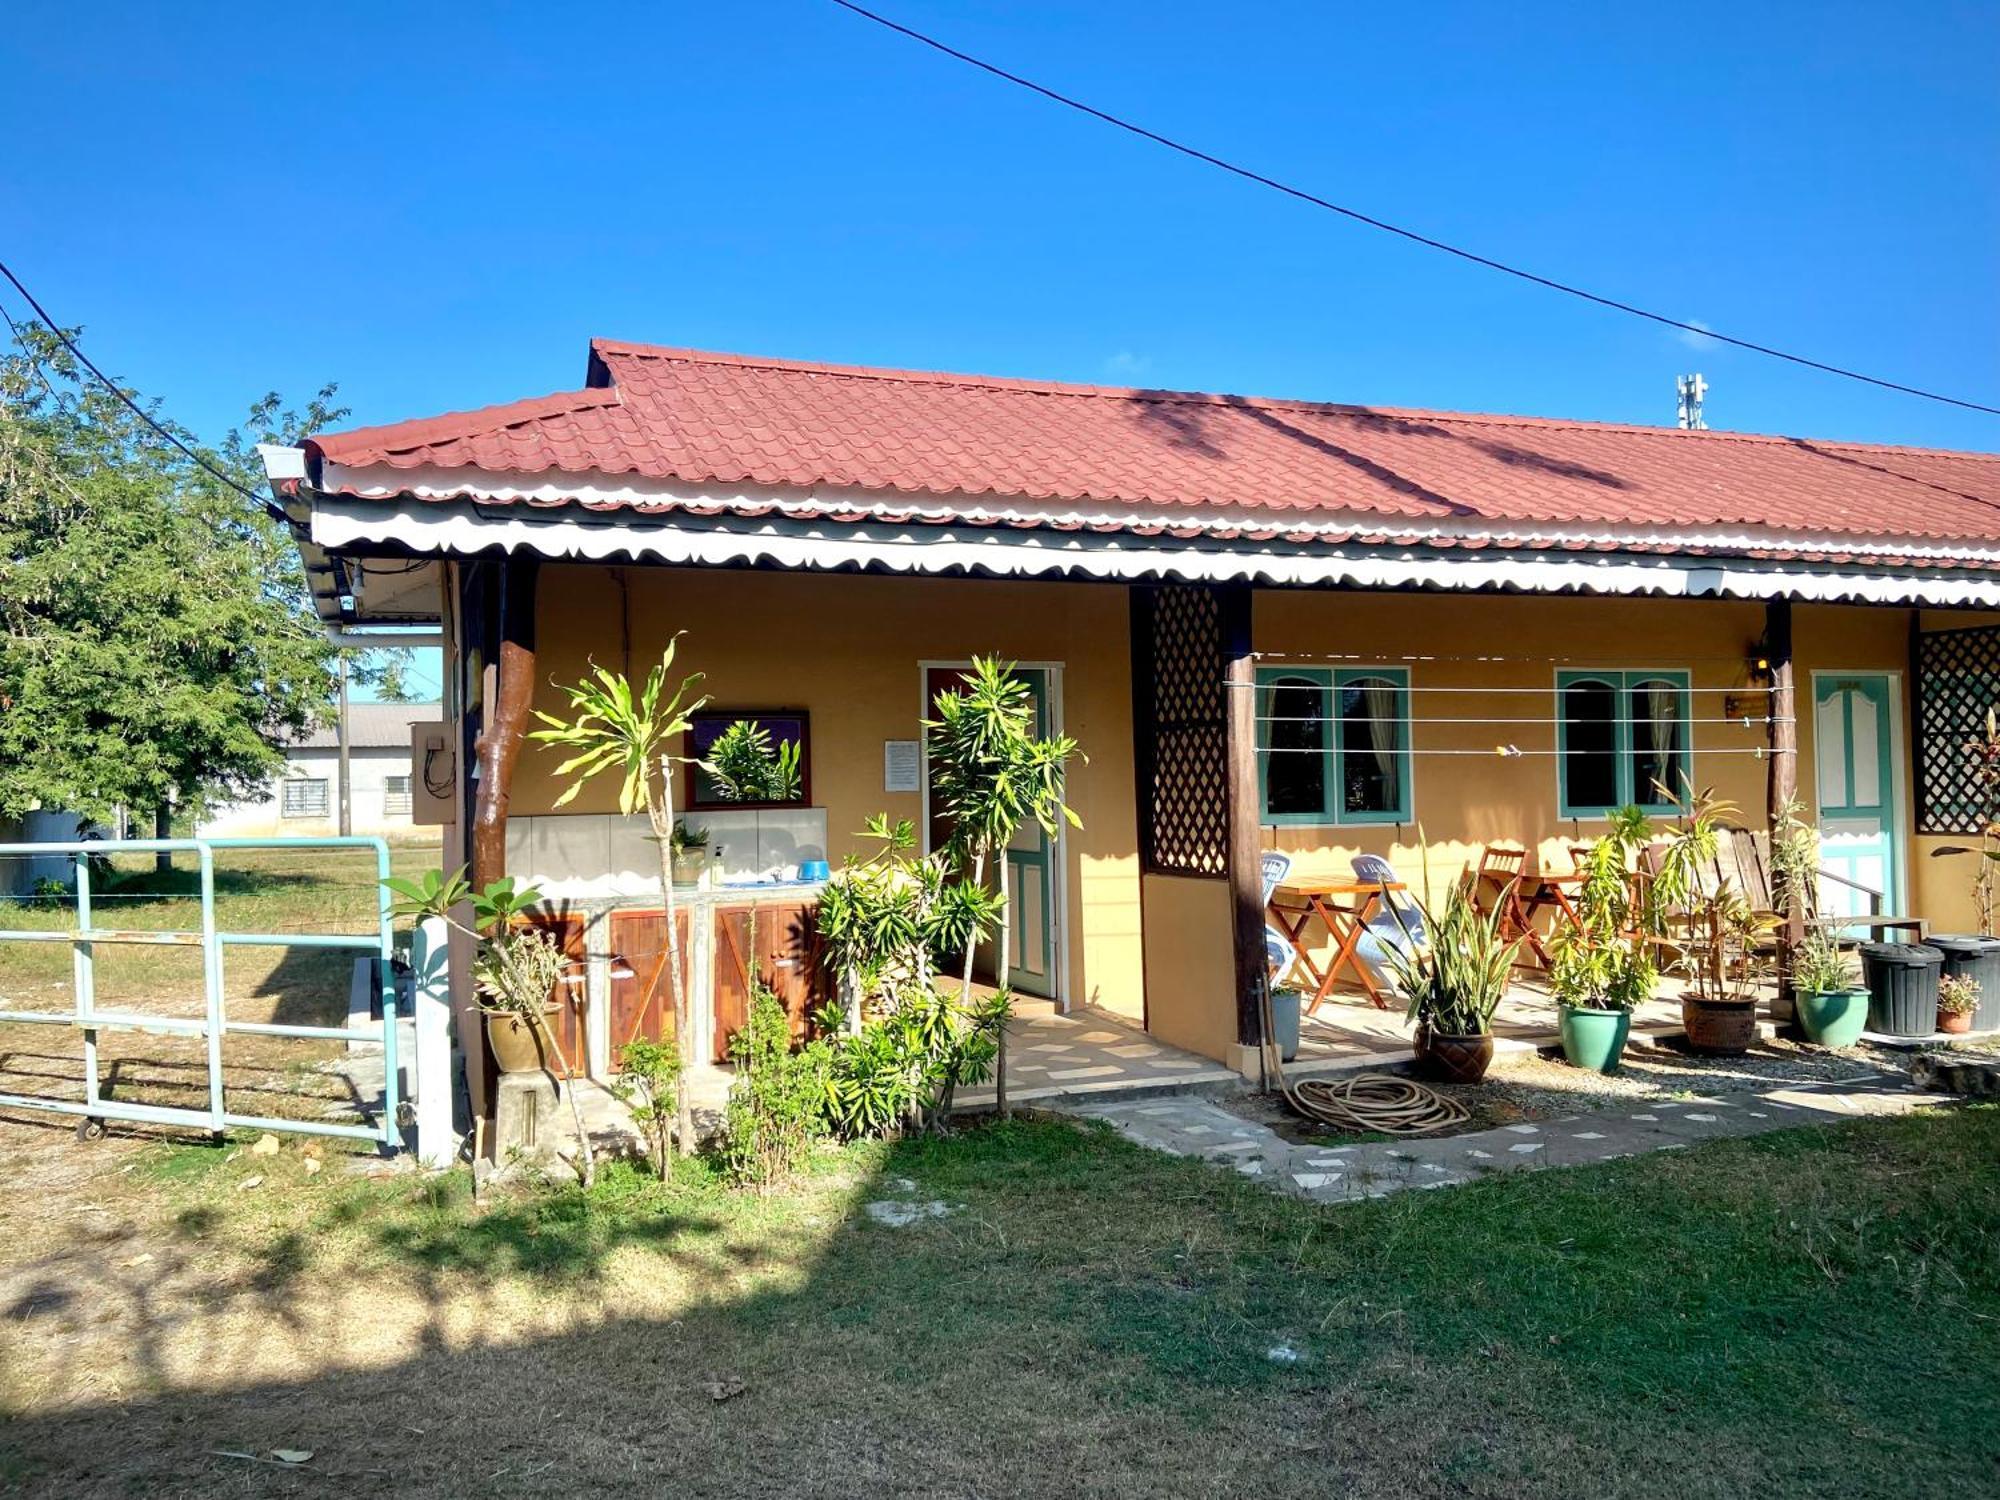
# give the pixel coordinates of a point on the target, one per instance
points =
(1383, 1103)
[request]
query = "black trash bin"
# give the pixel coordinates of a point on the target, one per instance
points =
(1978, 958)
(1902, 987)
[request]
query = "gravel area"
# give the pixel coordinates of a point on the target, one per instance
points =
(1535, 1088)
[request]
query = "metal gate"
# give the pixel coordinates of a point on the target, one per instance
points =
(88, 1020)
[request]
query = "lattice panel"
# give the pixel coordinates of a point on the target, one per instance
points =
(1188, 826)
(1958, 682)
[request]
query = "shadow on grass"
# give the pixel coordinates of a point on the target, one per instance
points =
(1086, 1317)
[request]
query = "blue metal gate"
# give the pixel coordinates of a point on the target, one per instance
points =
(86, 1019)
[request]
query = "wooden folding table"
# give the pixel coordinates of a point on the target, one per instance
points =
(1326, 901)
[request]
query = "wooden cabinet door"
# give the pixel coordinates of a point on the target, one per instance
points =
(571, 996)
(786, 957)
(642, 999)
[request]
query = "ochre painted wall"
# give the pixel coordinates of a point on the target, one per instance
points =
(846, 649)
(1464, 801)
(1190, 965)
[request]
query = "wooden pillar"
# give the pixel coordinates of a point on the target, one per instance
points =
(1782, 778)
(509, 695)
(1246, 880)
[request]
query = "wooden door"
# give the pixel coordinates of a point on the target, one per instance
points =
(571, 1018)
(785, 955)
(642, 1003)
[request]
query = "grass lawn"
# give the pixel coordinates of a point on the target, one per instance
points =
(1812, 1313)
(282, 890)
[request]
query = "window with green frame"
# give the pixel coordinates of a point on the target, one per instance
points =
(1333, 745)
(1622, 736)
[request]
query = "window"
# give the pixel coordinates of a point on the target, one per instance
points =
(1333, 746)
(395, 796)
(749, 758)
(303, 797)
(1622, 739)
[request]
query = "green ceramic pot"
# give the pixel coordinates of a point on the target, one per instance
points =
(1833, 1018)
(1594, 1039)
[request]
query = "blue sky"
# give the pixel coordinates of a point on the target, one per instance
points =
(437, 207)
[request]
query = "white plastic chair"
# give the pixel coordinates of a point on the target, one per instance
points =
(1275, 868)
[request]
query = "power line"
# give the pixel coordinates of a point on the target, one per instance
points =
(270, 508)
(1384, 225)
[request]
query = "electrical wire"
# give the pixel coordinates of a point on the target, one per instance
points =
(1548, 282)
(270, 508)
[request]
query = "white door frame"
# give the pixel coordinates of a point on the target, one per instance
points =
(1059, 875)
(1895, 902)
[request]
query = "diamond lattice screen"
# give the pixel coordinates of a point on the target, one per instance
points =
(1958, 682)
(1187, 825)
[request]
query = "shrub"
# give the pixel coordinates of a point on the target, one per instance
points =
(903, 1070)
(777, 1103)
(649, 1076)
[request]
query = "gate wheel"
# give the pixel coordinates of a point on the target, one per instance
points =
(90, 1128)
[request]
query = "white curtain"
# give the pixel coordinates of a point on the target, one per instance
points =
(1663, 715)
(1382, 712)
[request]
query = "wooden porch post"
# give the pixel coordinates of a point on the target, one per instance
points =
(511, 692)
(1782, 779)
(1246, 881)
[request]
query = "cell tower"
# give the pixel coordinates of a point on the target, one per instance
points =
(1691, 388)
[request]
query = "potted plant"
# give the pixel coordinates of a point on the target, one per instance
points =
(1455, 981)
(1602, 965)
(517, 974)
(1958, 998)
(1717, 938)
(690, 852)
(1287, 1005)
(1832, 1008)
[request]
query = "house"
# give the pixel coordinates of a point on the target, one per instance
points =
(304, 798)
(1325, 629)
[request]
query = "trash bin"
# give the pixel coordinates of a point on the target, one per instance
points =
(1978, 958)
(1902, 987)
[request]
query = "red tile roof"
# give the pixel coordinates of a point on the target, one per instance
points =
(697, 419)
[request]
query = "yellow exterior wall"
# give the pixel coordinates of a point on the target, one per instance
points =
(1190, 964)
(846, 649)
(1462, 802)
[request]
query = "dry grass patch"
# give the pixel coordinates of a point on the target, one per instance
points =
(1798, 1314)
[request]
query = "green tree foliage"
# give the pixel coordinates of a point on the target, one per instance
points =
(156, 644)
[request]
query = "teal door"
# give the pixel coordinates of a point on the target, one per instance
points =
(1854, 752)
(1030, 899)
(1031, 908)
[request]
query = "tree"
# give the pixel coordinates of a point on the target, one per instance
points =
(612, 730)
(157, 645)
(992, 774)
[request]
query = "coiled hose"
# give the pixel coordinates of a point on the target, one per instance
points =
(1383, 1103)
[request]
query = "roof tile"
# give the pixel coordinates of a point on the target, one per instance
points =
(700, 418)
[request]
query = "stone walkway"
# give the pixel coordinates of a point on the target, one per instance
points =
(1185, 1125)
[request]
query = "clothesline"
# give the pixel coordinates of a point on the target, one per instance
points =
(1544, 690)
(1624, 663)
(1511, 752)
(1743, 721)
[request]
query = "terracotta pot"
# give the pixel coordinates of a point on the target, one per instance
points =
(518, 1046)
(1955, 1024)
(1724, 1028)
(1452, 1059)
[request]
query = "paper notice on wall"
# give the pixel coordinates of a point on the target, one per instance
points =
(902, 766)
